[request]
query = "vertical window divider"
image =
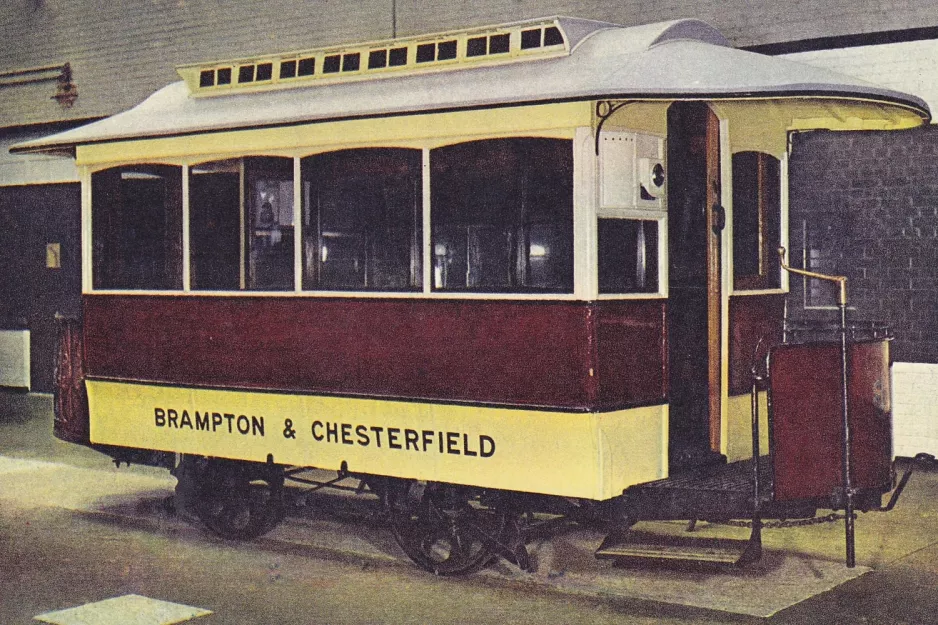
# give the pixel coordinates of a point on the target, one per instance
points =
(86, 231)
(242, 245)
(186, 249)
(297, 226)
(427, 253)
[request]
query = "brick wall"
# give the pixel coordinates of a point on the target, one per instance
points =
(875, 197)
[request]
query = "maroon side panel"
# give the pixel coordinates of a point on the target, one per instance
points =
(805, 388)
(752, 318)
(631, 353)
(71, 401)
(517, 353)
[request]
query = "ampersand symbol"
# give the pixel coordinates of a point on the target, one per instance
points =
(288, 431)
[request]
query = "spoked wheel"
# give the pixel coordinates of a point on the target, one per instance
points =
(239, 500)
(443, 530)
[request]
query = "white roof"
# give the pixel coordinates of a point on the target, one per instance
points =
(684, 59)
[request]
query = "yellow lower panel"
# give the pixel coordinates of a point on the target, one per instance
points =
(739, 427)
(593, 456)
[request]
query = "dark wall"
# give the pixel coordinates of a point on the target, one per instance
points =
(30, 293)
(871, 200)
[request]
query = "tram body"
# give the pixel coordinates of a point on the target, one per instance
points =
(538, 258)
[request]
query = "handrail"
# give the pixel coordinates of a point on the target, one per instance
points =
(840, 280)
(848, 491)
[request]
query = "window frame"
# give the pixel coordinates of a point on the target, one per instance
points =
(770, 228)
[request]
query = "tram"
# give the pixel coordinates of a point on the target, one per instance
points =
(495, 273)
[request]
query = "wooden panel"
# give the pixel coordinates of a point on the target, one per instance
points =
(755, 327)
(807, 423)
(527, 354)
(631, 353)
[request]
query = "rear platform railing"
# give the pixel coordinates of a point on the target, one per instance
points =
(848, 492)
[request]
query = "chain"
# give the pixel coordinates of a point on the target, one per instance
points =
(830, 518)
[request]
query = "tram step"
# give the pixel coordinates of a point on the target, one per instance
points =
(650, 546)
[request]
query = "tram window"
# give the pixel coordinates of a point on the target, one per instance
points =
(137, 228)
(269, 206)
(246, 73)
(628, 256)
(756, 220)
(306, 67)
(363, 220)
(215, 226)
(330, 64)
(531, 38)
(377, 59)
(224, 76)
(502, 215)
(265, 71)
(288, 69)
(397, 57)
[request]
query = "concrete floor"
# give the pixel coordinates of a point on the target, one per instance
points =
(74, 530)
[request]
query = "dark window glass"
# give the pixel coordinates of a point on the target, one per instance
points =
(137, 228)
(306, 67)
(265, 71)
(377, 59)
(552, 36)
(398, 57)
(215, 226)
(330, 64)
(503, 216)
(499, 44)
(530, 39)
(363, 220)
(351, 62)
(756, 220)
(628, 256)
(207, 78)
(224, 76)
(287, 69)
(246, 73)
(269, 206)
(477, 46)
(446, 51)
(426, 52)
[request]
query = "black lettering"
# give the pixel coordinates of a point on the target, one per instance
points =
(347, 434)
(201, 421)
(185, 421)
(160, 416)
(452, 443)
(465, 446)
(427, 438)
(377, 430)
(172, 418)
(244, 424)
(392, 438)
(230, 418)
(257, 425)
(216, 420)
(411, 437)
(440, 438)
(486, 451)
(332, 432)
(362, 432)
(317, 436)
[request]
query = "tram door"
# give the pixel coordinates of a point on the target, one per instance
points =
(695, 223)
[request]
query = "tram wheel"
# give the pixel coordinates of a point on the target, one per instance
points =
(240, 501)
(444, 530)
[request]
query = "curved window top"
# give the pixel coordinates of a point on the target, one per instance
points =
(757, 212)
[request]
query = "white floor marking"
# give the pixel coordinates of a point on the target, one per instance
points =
(126, 610)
